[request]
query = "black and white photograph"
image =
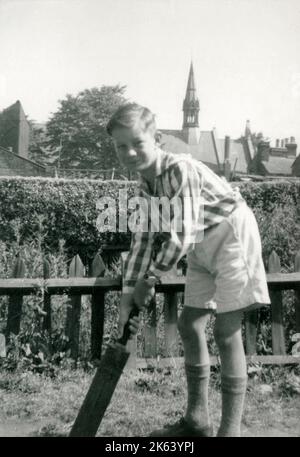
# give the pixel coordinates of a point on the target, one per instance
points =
(150, 222)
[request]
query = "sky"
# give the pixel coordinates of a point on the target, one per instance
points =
(246, 56)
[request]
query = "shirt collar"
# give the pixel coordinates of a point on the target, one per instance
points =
(160, 167)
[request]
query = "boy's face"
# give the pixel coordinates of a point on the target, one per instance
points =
(135, 147)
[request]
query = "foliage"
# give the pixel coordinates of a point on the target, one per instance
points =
(66, 210)
(284, 379)
(76, 132)
(35, 351)
(280, 232)
(38, 151)
(276, 207)
(59, 210)
(269, 195)
(257, 138)
(57, 218)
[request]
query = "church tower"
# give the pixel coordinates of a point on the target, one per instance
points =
(191, 108)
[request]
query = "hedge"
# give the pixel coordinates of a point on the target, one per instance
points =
(62, 209)
(58, 209)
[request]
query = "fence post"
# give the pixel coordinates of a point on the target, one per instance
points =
(2, 345)
(278, 342)
(297, 294)
(97, 303)
(171, 300)
(132, 344)
(73, 310)
(47, 299)
(15, 301)
(150, 346)
(170, 317)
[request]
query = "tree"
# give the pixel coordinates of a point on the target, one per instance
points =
(38, 150)
(76, 132)
(258, 138)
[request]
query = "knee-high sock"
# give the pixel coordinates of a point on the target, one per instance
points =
(233, 395)
(197, 413)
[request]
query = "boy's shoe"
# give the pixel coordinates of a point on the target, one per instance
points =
(182, 428)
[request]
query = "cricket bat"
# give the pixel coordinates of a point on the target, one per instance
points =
(103, 385)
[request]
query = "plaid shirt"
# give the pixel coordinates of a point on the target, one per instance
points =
(205, 199)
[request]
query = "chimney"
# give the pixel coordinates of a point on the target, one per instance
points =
(248, 129)
(227, 148)
(282, 143)
(277, 143)
(292, 147)
(286, 141)
(263, 150)
(227, 164)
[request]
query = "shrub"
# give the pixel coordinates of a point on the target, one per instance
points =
(62, 209)
(58, 209)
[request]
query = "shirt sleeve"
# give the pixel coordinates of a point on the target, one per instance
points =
(139, 256)
(138, 260)
(186, 217)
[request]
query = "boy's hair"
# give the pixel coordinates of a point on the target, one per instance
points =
(128, 115)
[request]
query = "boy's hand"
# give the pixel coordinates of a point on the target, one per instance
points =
(143, 293)
(126, 305)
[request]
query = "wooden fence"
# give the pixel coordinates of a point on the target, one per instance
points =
(77, 284)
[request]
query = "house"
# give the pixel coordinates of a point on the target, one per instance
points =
(14, 144)
(296, 166)
(226, 156)
(280, 160)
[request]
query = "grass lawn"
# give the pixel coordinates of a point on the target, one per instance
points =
(36, 405)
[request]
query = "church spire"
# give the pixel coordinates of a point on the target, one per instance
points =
(191, 105)
(191, 108)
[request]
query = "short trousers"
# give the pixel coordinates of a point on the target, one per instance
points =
(225, 270)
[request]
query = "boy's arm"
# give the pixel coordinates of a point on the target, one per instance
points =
(138, 260)
(139, 256)
(186, 227)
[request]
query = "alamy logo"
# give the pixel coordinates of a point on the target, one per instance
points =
(182, 216)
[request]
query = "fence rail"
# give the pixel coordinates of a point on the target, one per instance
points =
(82, 285)
(97, 286)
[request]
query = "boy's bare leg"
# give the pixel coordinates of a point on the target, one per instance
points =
(192, 324)
(228, 337)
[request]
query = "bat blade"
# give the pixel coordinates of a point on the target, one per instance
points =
(100, 392)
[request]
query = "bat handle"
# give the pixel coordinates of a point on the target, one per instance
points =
(126, 333)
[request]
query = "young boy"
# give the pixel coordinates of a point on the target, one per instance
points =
(225, 273)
